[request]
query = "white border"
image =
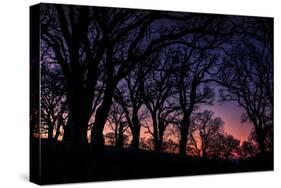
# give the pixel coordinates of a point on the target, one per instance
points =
(14, 104)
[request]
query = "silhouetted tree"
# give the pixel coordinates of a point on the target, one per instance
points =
(192, 87)
(170, 146)
(204, 131)
(225, 146)
(53, 101)
(146, 143)
(158, 97)
(129, 94)
(110, 138)
(247, 79)
(65, 30)
(247, 150)
(118, 124)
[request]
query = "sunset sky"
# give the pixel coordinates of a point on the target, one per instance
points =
(229, 112)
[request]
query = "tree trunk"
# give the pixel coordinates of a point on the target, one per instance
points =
(50, 130)
(97, 140)
(160, 139)
(76, 130)
(78, 117)
(57, 133)
(120, 137)
(158, 142)
(136, 137)
(260, 140)
(136, 130)
(162, 128)
(184, 132)
(157, 146)
(183, 140)
(204, 154)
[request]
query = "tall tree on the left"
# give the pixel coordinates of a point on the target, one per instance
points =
(65, 30)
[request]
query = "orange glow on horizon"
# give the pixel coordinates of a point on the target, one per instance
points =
(229, 113)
